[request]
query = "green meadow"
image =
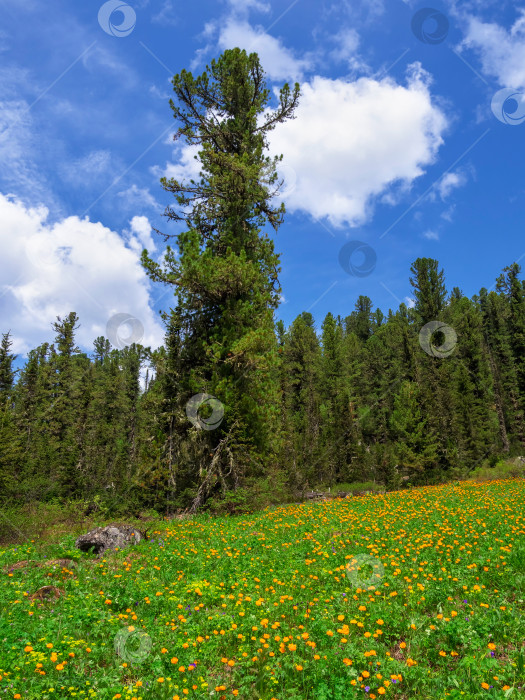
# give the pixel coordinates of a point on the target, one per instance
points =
(410, 594)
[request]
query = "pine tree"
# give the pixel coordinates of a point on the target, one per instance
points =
(513, 290)
(499, 344)
(334, 407)
(34, 396)
(429, 289)
(361, 320)
(475, 419)
(301, 367)
(10, 447)
(433, 372)
(226, 276)
(367, 401)
(7, 374)
(414, 453)
(105, 454)
(65, 411)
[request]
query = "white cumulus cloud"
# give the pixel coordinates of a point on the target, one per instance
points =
(242, 6)
(49, 269)
(449, 182)
(352, 141)
(187, 167)
(141, 234)
(502, 51)
(279, 62)
(134, 197)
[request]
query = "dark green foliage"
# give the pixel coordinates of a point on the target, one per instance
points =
(382, 408)
(358, 401)
(7, 374)
(221, 336)
(369, 398)
(429, 289)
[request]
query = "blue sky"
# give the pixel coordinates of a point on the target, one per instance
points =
(400, 144)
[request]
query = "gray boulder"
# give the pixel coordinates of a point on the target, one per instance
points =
(110, 537)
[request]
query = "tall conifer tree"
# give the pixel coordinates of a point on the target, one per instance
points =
(226, 274)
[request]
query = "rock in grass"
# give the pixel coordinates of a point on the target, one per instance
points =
(24, 564)
(110, 537)
(62, 563)
(28, 564)
(46, 593)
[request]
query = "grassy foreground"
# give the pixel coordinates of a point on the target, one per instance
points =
(413, 594)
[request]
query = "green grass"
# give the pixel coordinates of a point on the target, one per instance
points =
(279, 595)
(510, 469)
(355, 487)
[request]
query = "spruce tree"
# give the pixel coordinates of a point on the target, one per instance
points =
(475, 420)
(429, 289)
(499, 346)
(10, 447)
(361, 320)
(7, 374)
(301, 368)
(334, 407)
(414, 453)
(64, 412)
(433, 373)
(513, 290)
